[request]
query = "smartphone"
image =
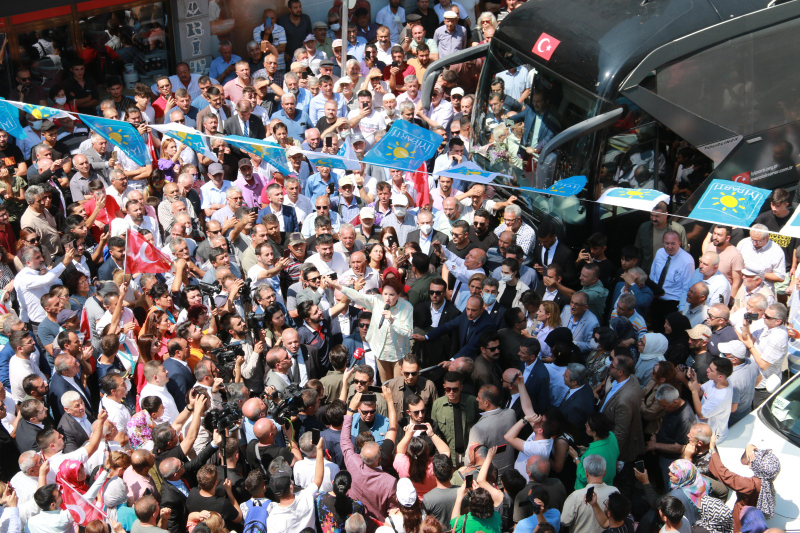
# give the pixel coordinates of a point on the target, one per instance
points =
(106, 228)
(314, 437)
(304, 75)
(368, 54)
(420, 427)
(525, 503)
(639, 465)
(369, 398)
(375, 389)
(69, 246)
(536, 508)
(395, 64)
(331, 188)
(502, 448)
(468, 481)
(286, 253)
(589, 494)
(364, 105)
(392, 240)
(329, 142)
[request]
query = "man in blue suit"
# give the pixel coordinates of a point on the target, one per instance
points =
(536, 376)
(579, 402)
(276, 207)
(469, 327)
(67, 378)
(177, 367)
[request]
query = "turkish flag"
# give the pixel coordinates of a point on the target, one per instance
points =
(545, 46)
(80, 508)
(420, 179)
(85, 329)
(141, 256)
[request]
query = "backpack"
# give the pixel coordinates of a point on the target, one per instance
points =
(256, 516)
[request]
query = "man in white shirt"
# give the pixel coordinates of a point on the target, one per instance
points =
(20, 366)
(115, 389)
(712, 401)
(326, 260)
(304, 470)
(266, 271)
(157, 378)
(292, 513)
(26, 481)
(365, 119)
(719, 288)
(761, 254)
(137, 220)
(119, 188)
(51, 443)
(32, 282)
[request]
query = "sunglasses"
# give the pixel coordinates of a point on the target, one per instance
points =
(360, 382)
(416, 412)
(31, 241)
(495, 349)
(363, 325)
(409, 374)
(435, 293)
(451, 389)
(312, 280)
(370, 412)
(322, 207)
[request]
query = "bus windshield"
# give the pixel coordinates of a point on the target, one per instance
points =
(521, 106)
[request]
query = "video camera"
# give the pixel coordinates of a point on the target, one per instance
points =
(209, 289)
(255, 321)
(245, 294)
(289, 403)
(223, 419)
(226, 355)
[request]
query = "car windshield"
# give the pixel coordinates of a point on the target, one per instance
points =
(782, 412)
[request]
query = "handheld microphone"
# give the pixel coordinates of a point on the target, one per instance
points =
(383, 317)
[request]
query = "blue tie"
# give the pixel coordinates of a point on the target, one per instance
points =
(246, 128)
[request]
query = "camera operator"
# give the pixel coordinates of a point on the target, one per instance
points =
(253, 367)
(307, 420)
(207, 375)
(752, 313)
(263, 450)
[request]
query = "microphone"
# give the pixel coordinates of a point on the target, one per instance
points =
(383, 317)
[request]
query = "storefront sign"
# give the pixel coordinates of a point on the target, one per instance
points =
(194, 34)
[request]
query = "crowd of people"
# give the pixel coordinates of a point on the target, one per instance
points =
(340, 351)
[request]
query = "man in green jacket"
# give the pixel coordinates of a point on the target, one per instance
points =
(455, 429)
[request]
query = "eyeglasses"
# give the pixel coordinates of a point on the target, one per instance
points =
(323, 207)
(416, 412)
(409, 374)
(360, 382)
(435, 293)
(370, 412)
(163, 86)
(493, 349)
(363, 324)
(24, 79)
(451, 389)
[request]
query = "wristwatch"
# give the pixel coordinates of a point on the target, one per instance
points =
(351, 410)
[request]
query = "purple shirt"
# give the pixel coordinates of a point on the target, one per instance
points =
(251, 194)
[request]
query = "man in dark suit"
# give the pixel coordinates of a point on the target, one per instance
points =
(276, 207)
(425, 220)
(314, 367)
(66, 378)
(434, 351)
(246, 124)
(216, 107)
(537, 377)
(490, 289)
(550, 251)
(177, 367)
(420, 267)
(175, 489)
(547, 288)
(578, 404)
(467, 326)
(75, 424)
(487, 371)
(33, 419)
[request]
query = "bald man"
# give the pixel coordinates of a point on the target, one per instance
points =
(253, 410)
(137, 477)
(262, 451)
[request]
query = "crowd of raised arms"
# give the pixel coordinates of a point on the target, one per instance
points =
(336, 351)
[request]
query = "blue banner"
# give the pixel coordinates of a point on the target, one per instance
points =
(188, 136)
(9, 120)
(730, 203)
(269, 152)
(405, 147)
(121, 134)
(566, 187)
(643, 199)
(469, 171)
(319, 159)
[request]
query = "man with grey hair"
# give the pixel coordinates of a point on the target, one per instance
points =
(75, 424)
(348, 244)
(26, 481)
(538, 468)
(96, 149)
(119, 188)
(304, 469)
(634, 281)
(576, 514)
(512, 220)
(696, 303)
(770, 349)
(580, 320)
(578, 403)
(626, 307)
(760, 254)
(707, 272)
(172, 194)
(295, 119)
(673, 434)
(233, 201)
(744, 379)
(355, 524)
(41, 221)
(84, 173)
(34, 281)
(753, 282)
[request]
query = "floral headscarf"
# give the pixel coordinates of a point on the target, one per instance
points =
(68, 473)
(689, 480)
(766, 466)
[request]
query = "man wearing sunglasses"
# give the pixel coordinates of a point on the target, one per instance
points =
(26, 91)
(430, 313)
(411, 383)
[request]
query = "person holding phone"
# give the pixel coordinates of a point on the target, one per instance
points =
(604, 443)
(577, 512)
(414, 460)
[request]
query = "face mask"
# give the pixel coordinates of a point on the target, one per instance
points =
(336, 27)
(505, 277)
(400, 212)
(121, 338)
(127, 386)
(304, 63)
(489, 299)
(425, 229)
(37, 124)
(593, 345)
(62, 100)
(187, 231)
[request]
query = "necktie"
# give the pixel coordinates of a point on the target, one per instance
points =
(469, 330)
(663, 276)
(246, 128)
(564, 399)
(545, 252)
(458, 428)
(295, 369)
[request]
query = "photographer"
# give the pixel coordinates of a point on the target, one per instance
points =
(770, 349)
(207, 375)
(253, 371)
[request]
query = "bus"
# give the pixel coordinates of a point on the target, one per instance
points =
(632, 83)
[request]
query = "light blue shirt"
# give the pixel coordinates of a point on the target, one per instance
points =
(304, 97)
(583, 329)
(296, 127)
(212, 195)
(308, 223)
(515, 84)
(316, 108)
(357, 50)
(614, 388)
(218, 65)
(676, 284)
(315, 186)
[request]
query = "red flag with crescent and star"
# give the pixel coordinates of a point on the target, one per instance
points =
(81, 509)
(141, 256)
(545, 46)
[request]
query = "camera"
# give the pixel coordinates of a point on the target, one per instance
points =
(245, 293)
(226, 355)
(209, 289)
(288, 404)
(255, 321)
(749, 317)
(225, 418)
(395, 64)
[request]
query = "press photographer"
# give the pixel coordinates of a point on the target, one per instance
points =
(253, 370)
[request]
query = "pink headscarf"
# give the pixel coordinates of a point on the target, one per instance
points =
(68, 473)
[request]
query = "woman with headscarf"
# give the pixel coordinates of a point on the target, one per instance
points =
(675, 327)
(72, 475)
(115, 492)
(651, 351)
(757, 491)
(715, 516)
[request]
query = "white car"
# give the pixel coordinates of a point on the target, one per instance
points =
(776, 426)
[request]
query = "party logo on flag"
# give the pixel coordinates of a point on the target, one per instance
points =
(727, 202)
(121, 134)
(469, 171)
(141, 256)
(9, 120)
(545, 46)
(566, 187)
(40, 112)
(644, 199)
(188, 136)
(405, 147)
(269, 152)
(331, 161)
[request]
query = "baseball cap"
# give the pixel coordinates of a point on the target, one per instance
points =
(296, 238)
(405, 492)
(48, 125)
(65, 315)
(215, 168)
(320, 25)
(357, 137)
(457, 90)
(748, 271)
(337, 43)
(309, 37)
(280, 481)
(347, 180)
(292, 151)
(450, 15)
(326, 63)
(367, 212)
(399, 200)
(735, 348)
(700, 331)
(245, 162)
(345, 79)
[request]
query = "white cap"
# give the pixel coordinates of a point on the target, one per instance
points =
(399, 200)
(457, 90)
(367, 212)
(389, 96)
(347, 180)
(450, 15)
(735, 348)
(292, 151)
(405, 492)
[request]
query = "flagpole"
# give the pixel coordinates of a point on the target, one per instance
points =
(125, 263)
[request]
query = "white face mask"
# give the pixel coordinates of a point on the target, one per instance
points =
(37, 124)
(425, 229)
(127, 386)
(336, 27)
(400, 212)
(505, 277)
(61, 101)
